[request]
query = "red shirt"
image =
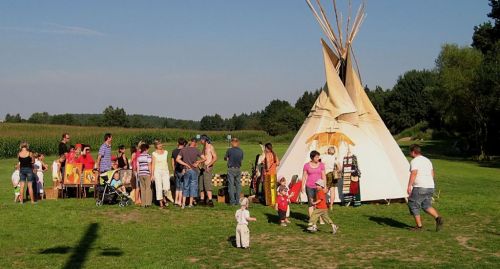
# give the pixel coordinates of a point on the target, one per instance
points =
(321, 196)
(282, 202)
(87, 161)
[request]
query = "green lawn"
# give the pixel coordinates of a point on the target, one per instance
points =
(75, 233)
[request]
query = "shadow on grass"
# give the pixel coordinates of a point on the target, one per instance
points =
(80, 252)
(273, 218)
(299, 216)
(232, 240)
(303, 227)
(388, 222)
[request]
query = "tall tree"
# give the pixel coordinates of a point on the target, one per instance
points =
(114, 117)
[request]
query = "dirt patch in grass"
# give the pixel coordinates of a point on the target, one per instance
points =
(463, 241)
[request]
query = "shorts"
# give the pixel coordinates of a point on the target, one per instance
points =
(282, 214)
(116, 183)
(311, 195)
(179, 181)
(331, 181)
(26, 174)
(205, 180)
(420, 198)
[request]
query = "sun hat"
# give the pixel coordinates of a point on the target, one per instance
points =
(320, 183)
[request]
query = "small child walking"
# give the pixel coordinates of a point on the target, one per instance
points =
(320, 209)
(57, 177)
(15, 183)
(282, 205)
(242, 218)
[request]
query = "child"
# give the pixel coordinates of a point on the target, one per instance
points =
(320, 209)
(242, 232)
(15, 183)
(56, 172)
(40, 167)
(288, 195)
(282, 205)
(116, 182)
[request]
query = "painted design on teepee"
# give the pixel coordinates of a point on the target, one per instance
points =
(328, 139)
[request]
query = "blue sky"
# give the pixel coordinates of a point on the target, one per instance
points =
(186, 59)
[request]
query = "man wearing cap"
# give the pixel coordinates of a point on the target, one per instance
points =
(190, 157)
(234, 157)
(205, 178)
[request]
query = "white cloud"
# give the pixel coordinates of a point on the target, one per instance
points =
(54, 28)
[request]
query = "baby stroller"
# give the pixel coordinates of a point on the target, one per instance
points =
(108, 194)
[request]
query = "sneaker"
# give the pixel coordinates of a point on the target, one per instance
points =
(283, 224)
(183, 206)
(312, 228)
(416, 229)
(335, 228)
(439, 223)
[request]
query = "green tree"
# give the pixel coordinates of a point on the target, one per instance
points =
(209, 123)
(39, 117)
(114, 117)
(13, 118)
(63, 119)
(409, 102)
(487, 34)
(306, 101)
(279, 117)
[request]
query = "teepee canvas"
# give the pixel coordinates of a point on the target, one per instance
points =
(344, 110)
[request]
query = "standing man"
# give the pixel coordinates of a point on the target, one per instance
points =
(190, 157)
(205, 179)
(63, 149)
(178, 171)
(234, 157)
(103, 163)
(421, 188)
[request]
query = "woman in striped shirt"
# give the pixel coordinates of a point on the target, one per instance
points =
(144, 172)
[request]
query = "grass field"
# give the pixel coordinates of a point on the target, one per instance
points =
(74, 233)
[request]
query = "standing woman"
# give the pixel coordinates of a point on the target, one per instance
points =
(122, 158)
(314, 170)
(135, 152)
(161, 175)
(26, 162)
(271, 162)
(144, 171)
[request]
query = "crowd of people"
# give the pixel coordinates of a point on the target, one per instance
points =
(193, 171)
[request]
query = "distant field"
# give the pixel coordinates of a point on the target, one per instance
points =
(44, 138)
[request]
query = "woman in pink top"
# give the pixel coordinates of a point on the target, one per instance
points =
(135, 151)
(313, 171)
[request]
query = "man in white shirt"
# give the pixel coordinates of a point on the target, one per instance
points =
(421, 188)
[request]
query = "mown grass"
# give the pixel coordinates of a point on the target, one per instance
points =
(74, 233)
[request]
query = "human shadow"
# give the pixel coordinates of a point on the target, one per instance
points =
(299, 216)
(384, 221)
(272, 218)
(232, 240)
(303, 227)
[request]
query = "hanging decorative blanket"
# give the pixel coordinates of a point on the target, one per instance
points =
(350, 178)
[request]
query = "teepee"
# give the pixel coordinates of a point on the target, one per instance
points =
(344, 109)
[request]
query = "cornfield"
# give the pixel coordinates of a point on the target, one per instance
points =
(45, 138)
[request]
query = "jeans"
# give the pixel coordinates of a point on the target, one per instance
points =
(420, 198)
(190, 184)
(179, 181)
(234, 185)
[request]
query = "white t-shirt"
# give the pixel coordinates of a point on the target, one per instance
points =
(329, 161)
(424, 169)
(242, 215)
(55, 170)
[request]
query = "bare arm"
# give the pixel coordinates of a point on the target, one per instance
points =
(173, 164)
(98, 162)
(181, 162)
(152, 167)
(413, 176)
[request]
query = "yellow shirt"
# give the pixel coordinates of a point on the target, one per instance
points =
(161, 162)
